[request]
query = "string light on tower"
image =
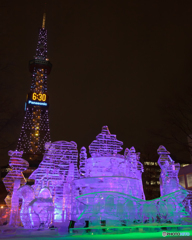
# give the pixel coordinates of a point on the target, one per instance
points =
(35, 131)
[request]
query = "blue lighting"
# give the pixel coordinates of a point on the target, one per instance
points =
(37, 103)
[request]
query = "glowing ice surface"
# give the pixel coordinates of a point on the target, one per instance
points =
(36, 211)
(18, 165)
(108, 187)
(57, 169)
(116, 208)
(169, 181)
(12, 182)
(107, 170)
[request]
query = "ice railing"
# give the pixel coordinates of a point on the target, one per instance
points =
(116, 208)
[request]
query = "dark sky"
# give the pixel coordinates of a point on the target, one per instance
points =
(113, 63)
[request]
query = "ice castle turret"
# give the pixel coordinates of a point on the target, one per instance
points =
(107, 170)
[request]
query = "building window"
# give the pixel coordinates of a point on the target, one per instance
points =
(184, 165)
(189, 180)
(153, 182)
(182, 181)
(149, 163)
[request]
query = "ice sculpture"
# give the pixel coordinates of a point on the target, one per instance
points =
(111, 188)
(107, 189)
(41, 209)
(26, 193)
(18, 165)
(108, 179)
(169, 181)
(36, 212)
(12, 182)
(116, 208)
(54, 172)
(107, 170)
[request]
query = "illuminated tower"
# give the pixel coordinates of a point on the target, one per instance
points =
(35, 130)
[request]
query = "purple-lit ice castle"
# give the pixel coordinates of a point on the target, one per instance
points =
(107, 187)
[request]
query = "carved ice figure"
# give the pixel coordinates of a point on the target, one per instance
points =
(35, 212)
(18, 165)
(55, 166)
(26, 193)
(41, 209)
(13, 180)
(169, 181)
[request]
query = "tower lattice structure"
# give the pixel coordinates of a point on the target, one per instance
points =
(35, 130)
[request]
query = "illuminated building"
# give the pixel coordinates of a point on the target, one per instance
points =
(35, 130)
(151, 181)
(185, 176)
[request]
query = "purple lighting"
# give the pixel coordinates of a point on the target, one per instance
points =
(108, 187)
(34, 133)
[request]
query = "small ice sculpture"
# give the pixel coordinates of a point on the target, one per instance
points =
(12, 182)
(41, 209)
(26, 193)
(18, 165)
(36, 212)
(169, 181)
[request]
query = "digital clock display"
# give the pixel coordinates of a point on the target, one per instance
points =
(37, 99)
(42, 97)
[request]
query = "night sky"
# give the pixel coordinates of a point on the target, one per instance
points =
(114, 62)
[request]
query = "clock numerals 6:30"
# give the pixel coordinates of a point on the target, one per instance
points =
(40, 97)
